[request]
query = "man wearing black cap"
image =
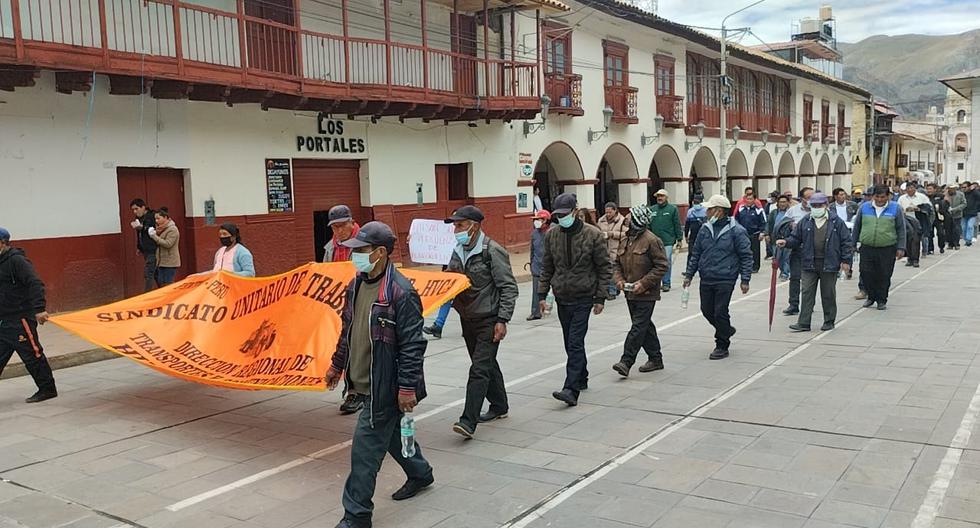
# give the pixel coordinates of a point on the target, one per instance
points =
(576, 265)
(22, 307)
(484, 311)
(344, 227)
(379, 354)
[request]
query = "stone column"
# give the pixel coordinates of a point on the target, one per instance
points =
(633, 193)
(583, 189)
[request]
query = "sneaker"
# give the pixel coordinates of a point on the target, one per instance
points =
(529, 318)
(434, 331)
(347, 522)
(882, 306)
(622, 369)
(353, 403)
(862, 295)
(41, 396)
(827, 327)
(490, 416)
(908, 264)
(869, 303)
(565, 396)
(411, 488)
(799, 328)
(915, 264)
(464, 430)
(718, 353)
(791, 311)
(652, 366)
(665, 288)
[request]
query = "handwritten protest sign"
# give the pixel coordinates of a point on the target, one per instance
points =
(221, 329)
(432, 241)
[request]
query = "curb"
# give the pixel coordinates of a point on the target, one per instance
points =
(72, 359)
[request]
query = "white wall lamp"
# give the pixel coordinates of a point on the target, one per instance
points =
(531, 127)
(736, 132)
(699, 128)
(789, 143)
(607, 115)
(658, 127)
(765, 141)
(807, 142)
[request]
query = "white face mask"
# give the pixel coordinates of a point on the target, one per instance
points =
(538, 224)
(818, 212)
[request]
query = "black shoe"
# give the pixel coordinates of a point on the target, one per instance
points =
(915, 264)
(791, 311)
(869, 303)
(665, 288)
(40, 396)
(353, 403)
(651, 366)
(610, 297)
(490, 416)
(850, 275)
(882, 305)
(941, 251)
(412, 488)
(434, 331)
(622, 369)
(731, 335)
(533, 317)
(347, 522)
(464, 430)
(565, 396)
(827, 327)
(719, 353)
(799, 328)
(957, 248)
(584, 386)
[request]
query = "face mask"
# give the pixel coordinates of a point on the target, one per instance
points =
(362, 262)
(712, 220)
(566, 221)
(818, 212)
(227, 241)
(538, 224)
(463, 238)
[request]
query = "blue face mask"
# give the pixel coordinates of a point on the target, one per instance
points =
(463, 238)
(566, 221)
(362, 262)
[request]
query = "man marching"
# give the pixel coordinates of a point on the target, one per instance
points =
(484, 311)
(880, 229)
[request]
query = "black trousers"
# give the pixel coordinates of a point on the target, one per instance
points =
(827, 282)
(795, 276)
(877, 266)
(485, 381)
(20, 335)
(715, 299)
(643, 333)
(574, 325)
(953, 232)
(940, 229)
(914, 245)
(756, 252)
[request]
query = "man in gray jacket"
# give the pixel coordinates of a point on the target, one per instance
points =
(484, 311)
(576, 265)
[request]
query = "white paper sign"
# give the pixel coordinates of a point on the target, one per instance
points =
(432, 241)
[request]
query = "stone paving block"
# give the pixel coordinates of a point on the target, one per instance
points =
(943, 522)
(778, 480)
(40, 510)
(961, 509)
(873, 469)
(631, 511)
(850, 513)
(861, 494)
(781, 501)
(680, 474)
(688, 518)
(725, 491)
(824, 462)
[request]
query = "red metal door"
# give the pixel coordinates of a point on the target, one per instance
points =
(464, 46)
(159, 188)
(319, 185)
(271, 46)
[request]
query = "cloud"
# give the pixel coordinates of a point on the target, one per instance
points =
(772, 21)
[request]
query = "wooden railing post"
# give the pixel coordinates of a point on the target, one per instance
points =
(425, 51)
(18, 31)
(388, 69)
(178, 38)
(242, 51)
(298, 35)
(103, 34)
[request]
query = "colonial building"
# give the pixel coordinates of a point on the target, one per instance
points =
(267, 113)
(919, 149)
(958, 116)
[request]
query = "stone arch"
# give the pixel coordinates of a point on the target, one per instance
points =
(788, 179)
(666, 172)
(617, 164)
(808, 175)
(737, 170)
(840, 166)
(763, 174)
(557, 163)
(840, 178)
(824, 166)
(704, 173)
(825, 174)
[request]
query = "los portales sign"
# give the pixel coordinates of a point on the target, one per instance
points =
(335, 137)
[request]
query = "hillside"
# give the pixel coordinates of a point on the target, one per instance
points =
(905, 68)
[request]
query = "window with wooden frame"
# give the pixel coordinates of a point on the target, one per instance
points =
(750, 94)
(807, 116)
(664, 75)
(841, 122)
(459, 181)
(617, 64)
(824, 119)
(557, 49)
(766, 97)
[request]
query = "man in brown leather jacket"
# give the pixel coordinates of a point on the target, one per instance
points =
(637, 270)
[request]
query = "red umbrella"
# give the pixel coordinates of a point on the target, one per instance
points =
(772, 286)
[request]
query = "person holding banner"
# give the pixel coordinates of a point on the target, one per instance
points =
(22, 308)
(232, 256)
(380, 354)
(484, 311)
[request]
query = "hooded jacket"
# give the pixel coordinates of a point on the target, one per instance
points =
(838, 247)
(21, 290)
(493, 289)
(576, 265)
(721, 254)
(696, 216)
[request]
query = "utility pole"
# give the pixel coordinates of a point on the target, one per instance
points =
(871, 144)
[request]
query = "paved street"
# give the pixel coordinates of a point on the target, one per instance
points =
(868, 425)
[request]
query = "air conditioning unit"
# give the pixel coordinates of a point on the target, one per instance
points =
(809, 25)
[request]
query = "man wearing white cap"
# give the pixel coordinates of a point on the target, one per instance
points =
(720, 254)
(665, 222)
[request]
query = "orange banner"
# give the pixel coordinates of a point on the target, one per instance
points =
(220, 329)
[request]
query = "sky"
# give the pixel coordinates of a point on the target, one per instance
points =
(856, 19)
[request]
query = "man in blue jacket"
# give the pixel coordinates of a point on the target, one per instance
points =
(720, 255)
(380, 355)
(824, 243)
(750, 215)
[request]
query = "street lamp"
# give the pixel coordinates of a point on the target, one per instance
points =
(736, 132)
(789, 142)
(607, 115)
(532, 127)
(658, 125)
(808, 141)
(699, 129)
(765, 141)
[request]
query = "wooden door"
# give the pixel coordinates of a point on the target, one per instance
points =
(318, 186)
(271, 47)
(463, 30)
(158, 188)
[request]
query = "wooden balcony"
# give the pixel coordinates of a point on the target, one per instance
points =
(811, 128)
(671, 108)
(565, 91)
(622, 100)
(844, 136)
(176, 50)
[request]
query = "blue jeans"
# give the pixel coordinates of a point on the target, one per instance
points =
(574, 325)
(670, 264)
(535, 298)
(443, 314)
(968, 224)
(366, 454)
(166, 276)
(782, 255)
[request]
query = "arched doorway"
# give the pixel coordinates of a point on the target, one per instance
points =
(763, 174)
(825, 175)
(704, 174)
(666, 173)
(808, 176)
(617, 164)
(787, 174)
(841, 178)
(738, 175)
(557, 163)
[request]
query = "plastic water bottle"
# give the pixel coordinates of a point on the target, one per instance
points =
(551, 302)
(408, 436)
(685, 298)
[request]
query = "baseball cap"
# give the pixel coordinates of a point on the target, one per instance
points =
(661, 192)
(818, 199)
(372, 234)
(542, 214)
(467, 212)
(338, 214)
(565, 203)
(718, 201)
(4, 235)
